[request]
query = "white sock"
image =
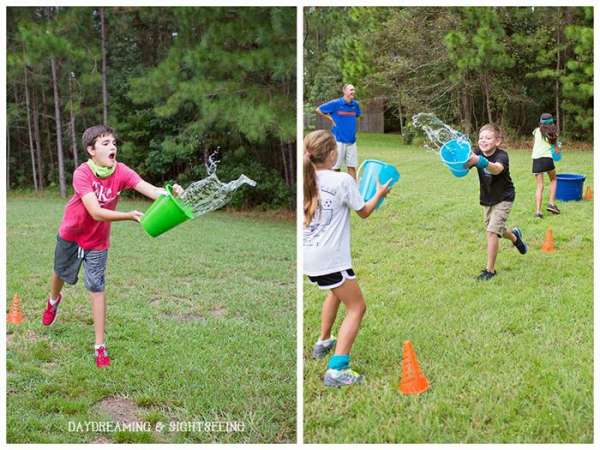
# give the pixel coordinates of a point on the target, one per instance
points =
(53, 301)
(97, 346)
(326, 341)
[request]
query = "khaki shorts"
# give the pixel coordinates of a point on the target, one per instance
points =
(495, 217)
(346, 153)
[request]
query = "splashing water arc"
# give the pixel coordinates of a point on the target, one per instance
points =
(210, 193)
(437, 132)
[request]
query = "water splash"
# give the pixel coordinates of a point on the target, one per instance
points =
(210, 193)
(211, 164)
(438, 133)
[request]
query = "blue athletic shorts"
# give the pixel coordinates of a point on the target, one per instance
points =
(68, 257)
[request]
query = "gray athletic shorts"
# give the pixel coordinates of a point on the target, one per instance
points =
(68, 258)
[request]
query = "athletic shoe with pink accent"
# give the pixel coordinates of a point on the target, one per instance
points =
(51, 311)
(102, 359)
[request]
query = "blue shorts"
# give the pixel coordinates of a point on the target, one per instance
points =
(68, 257)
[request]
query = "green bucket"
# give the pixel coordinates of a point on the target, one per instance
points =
(165, 213)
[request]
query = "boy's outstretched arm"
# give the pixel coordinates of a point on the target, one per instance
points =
(153, 192)
(382, 191)
(492, 167)
(106, 215)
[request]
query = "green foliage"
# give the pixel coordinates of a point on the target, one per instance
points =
(478, 46)
(578, 84)
(408, 133)
(181, 82)
(464, 64)
(269, 192)
(220, 85)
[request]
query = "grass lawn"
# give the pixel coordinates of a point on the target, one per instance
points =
(509, 360)
(200, 328)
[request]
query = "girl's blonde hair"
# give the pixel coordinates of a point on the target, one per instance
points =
(318, 145)
(494, 129)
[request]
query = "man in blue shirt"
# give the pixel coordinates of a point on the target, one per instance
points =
(343, 114)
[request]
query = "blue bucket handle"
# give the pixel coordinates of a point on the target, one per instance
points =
(363, 163)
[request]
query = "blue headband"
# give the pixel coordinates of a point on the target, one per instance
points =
(549, 120)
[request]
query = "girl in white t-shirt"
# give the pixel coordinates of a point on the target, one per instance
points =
(328, 198)
(545, 139)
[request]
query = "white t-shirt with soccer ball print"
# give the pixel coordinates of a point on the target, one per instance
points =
(326, 246)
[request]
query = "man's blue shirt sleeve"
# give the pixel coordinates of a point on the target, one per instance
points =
(329, 108)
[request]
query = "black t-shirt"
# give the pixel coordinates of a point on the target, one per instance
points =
(494, 189)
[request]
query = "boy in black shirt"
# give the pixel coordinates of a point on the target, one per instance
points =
(496, 195)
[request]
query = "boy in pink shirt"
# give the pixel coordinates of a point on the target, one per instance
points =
(84, 233)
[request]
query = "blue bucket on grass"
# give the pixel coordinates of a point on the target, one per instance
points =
(372, 171)
(569, 186)
(455, 153)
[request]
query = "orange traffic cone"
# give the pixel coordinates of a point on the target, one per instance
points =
(412, 381)
(548, 245)
(589, 194)
(15, 314)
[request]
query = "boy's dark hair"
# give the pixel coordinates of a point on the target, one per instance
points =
(91, 135)
(548, 128)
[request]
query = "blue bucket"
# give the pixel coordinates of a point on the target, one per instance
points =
(569, 186)
(372, 171)
(556, 156)
(455, 154)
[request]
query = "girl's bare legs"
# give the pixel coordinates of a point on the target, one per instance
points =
(552, 176)
(328, 315)
(99, 314)
(56, 285)
(539, 191)
(350, 294)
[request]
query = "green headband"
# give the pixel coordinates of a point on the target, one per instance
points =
(546, 121)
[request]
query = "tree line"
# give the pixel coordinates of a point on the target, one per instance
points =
(177, 84)
(469, 65)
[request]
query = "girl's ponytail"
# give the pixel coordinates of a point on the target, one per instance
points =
(318, 145)
(311, 190)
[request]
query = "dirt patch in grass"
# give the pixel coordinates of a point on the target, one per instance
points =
(218, 311)
(31, 336)
(185, 317)
(122, 410)
(101, 440)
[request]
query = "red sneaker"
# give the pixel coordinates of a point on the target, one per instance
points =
(102, 359)
(51, 311)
